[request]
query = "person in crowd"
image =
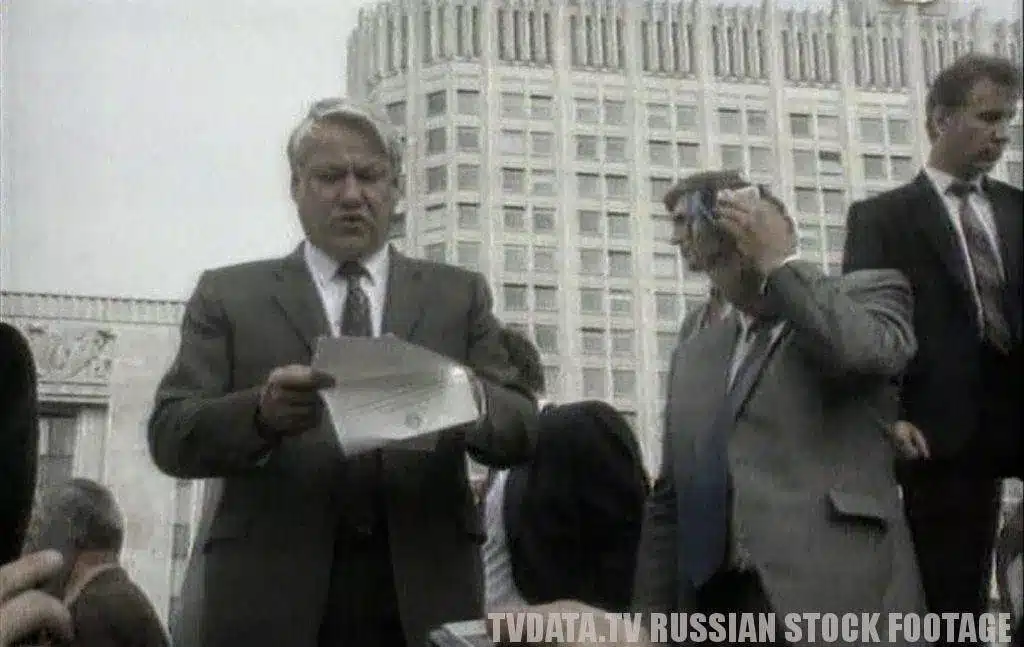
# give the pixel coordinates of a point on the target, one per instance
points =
(299, 544)
(956, 234)
(25, 609)
(83, 522)
(566, 524)
(776, 491)
(19, 439)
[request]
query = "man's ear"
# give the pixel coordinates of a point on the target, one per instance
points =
(293, 186)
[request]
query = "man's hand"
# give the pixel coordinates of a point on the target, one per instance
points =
(25, 611)
(762, 233)
(909, 440)
(289, 402)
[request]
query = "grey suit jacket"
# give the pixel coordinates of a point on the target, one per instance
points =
(815, 502)
(260, 569)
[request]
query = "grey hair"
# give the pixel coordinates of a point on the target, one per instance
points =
(86, 511)
(340, 110)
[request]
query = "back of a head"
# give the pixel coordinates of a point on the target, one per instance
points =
(525, 358)
(84, 513)
(19, 439)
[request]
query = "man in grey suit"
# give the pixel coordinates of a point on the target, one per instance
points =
(300, 545)
(775, 491)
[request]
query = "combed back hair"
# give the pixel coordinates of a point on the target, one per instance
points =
(87, 511)
(337, 110)
(525, 358)
(709, 242)
(952, 86)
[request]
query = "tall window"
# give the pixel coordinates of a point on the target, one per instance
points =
(57, 439)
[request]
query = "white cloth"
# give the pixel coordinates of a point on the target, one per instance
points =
(499, 586)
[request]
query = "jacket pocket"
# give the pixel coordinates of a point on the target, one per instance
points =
(854, 506)
(226, 527)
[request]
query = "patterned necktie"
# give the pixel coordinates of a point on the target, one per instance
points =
(705, 507)
(988, 277)
(355, 318)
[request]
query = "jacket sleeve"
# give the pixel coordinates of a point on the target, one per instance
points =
(860, 324)
(507, 434)
(199, 427)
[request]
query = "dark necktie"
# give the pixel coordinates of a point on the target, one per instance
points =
(364, 471)
(705, 502)
(988, 277)
(355, 318)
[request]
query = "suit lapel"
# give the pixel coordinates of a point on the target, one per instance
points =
(702, 386)
(296, 295)
(933, 221)
(403, 305)
(741, 391)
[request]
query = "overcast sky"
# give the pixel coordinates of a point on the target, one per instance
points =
(142, 139)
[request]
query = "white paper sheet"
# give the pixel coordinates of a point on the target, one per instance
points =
(390, 391)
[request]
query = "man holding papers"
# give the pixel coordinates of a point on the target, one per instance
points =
(306, 541)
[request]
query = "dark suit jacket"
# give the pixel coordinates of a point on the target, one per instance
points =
(111, 611)
(19, 440)
(955, 376)
(814, 500)
(260, 569)
(573, 514)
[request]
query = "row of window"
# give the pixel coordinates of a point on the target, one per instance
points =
(669, 45)
(749, 122)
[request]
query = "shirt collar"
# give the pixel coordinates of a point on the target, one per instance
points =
(324, 268)
(943, 180)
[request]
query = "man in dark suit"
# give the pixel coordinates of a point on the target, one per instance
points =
(82, 520)
(565, 525)
(956, 234)
(300, 545)
(775, 491)
(19, 439)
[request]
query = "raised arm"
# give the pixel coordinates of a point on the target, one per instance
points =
(861, 324)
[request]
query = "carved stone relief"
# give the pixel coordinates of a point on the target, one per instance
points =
(72, 355)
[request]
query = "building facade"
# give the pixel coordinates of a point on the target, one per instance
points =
(543, 133)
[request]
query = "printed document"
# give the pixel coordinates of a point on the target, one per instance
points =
(388, 390)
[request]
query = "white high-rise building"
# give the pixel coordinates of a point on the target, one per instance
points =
(543, 133)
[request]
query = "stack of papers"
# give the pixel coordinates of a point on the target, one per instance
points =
(388, 391)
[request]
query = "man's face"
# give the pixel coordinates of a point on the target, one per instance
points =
(693, 238)
(971, 138)
(344, 190)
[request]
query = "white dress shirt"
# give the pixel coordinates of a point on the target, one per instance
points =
(333, 289)
(983, 208)
(499, 585)
(500, 589)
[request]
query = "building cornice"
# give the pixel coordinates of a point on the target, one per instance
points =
(107, 310)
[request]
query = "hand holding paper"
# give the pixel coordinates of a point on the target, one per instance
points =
(387, 390)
